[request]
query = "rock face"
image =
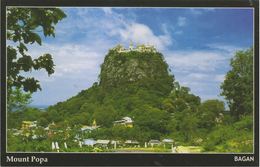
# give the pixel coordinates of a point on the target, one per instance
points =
(141, 68)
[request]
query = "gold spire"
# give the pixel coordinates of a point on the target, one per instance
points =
(94, 123)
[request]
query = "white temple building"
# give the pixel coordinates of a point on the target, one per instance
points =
(139, 48)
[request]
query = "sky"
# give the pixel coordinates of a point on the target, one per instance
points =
(197, 44)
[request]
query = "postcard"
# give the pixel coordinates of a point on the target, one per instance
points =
(129, 83)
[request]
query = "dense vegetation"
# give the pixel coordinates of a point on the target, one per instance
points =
(238, 85)
(140, 86)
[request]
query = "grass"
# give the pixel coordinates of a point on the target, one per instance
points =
(180, 149)
(142, 149)
(189, 149)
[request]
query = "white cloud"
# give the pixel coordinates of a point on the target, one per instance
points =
(197, 76)
(230, 49)
(200, 70)
(195, 60)
(72, 61)
(127, 29)
(208, 77)
(140, 33)
(91, 22)
(182, 21)
(77, 67)
(117, 26)
(205, 85)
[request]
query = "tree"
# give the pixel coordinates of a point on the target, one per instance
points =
(105, 116)
(151, 119)
(14, 119)
(23, 25)
(210, 113)
(180, 99)
(237, 87)
(184, 125)
(17, 99)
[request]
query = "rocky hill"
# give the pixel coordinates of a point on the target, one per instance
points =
(142, 66)
(130, 80)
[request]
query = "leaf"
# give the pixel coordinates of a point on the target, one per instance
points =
(11, 53)
(33, 37)
(44, 62)
(60, 14)
(31, 85)
(22, 47)
(21, 26)
(25, 63)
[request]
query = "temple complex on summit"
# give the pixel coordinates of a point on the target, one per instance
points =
(139, 48)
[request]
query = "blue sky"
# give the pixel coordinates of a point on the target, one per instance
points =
(197, 43)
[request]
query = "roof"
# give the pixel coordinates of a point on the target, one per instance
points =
(114, 141)
(124, 120)
(89, 142)
(167, 140)
(131, 142)
(127, 119)
(102, 141)
(154, 141)
(89, 128)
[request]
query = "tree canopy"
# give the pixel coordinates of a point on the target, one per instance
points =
(237, 87)
(23, 28)
(18, 100)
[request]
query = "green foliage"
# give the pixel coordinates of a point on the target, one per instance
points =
(23, 27)
(232, 138)
(20, 144)
(246, 123)
(152, 119)
(14, 119)
(235, 133)
(180, 99)
(184, 125)
(17, 99)
(238, 84)
(210, 113)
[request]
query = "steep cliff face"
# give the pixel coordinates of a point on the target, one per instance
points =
(143, 69)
